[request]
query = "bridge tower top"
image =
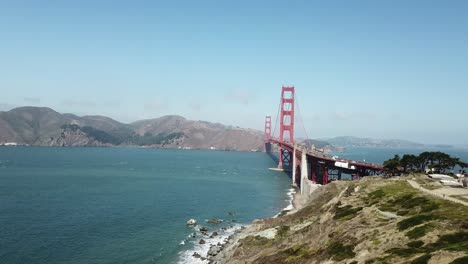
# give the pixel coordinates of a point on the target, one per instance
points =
(287, 115)
(267, 134)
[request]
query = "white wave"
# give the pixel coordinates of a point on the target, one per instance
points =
(290, 199)
(186, 256)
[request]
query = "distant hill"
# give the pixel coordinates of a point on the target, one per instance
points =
(348, 141)
(45, 127)
(316, 143)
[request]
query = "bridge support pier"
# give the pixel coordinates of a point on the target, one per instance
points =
(294, 167)
(304, 172)
(267, 147)
(285, 159)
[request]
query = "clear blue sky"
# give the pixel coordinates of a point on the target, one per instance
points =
(384, 69)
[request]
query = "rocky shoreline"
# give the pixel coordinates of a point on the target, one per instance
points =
(220, 251)
(254, 229)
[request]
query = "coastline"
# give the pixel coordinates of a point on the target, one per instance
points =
(220, 249)
(297, 202)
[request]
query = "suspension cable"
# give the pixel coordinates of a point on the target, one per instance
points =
(300, 117)
(276, 120)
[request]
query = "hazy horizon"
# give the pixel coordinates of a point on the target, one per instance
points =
(367, 69)
(227, 124)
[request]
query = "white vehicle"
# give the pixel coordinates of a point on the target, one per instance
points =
(342, 164)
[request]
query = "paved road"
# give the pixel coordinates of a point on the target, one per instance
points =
(438, 193)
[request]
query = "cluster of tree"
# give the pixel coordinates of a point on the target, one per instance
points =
(437, 161)
(150, 139)
(97, 134)
(134, 139)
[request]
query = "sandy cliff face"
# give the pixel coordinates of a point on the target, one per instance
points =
(371, 221)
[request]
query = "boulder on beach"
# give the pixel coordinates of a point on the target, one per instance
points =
(202, 241)
(196, 255)
(214, 250)
(192, 222)
(203, 229)
(215, 233)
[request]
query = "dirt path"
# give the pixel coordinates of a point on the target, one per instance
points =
(440, 193)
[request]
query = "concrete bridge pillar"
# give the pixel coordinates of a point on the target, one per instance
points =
(304, 172)
(294, 167)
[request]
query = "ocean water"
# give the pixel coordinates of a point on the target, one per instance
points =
(123, 205)
(379, 155)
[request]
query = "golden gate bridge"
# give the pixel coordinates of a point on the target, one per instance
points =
(309, 166)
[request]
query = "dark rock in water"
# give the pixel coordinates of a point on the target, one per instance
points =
(203, 229)
(223, 228)
(215, 221)
(202, 241)
(214, 234)
(214, 250)
(204, 233)
(233, 220)
(196, 255)
(231, 213)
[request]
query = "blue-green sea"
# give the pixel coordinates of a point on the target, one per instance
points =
(124, 205)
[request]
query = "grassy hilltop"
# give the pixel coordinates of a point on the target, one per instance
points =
(370, 221)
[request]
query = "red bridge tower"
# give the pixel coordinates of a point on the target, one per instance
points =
(286, 125)
(267, 134)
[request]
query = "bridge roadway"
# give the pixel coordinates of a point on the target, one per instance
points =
(323, 167)
(310, 167)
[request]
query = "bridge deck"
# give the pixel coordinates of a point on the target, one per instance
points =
(325, 157)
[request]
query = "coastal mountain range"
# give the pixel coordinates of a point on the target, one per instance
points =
(349, 141)
(42, 126)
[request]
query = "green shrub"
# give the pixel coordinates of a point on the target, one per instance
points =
(419, 231)
(415, 201)
(256, 241)
(296, 253)
(415, 244)
(403, 252)
(414, 220)
(376, 194)
(402, 212)
(454, 242)
(282, 231)
(462, 260)
(339, 251)
(346, 212)
(429, 206)
(422, 259)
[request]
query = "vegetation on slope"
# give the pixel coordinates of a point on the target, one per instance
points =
(371, 221)
(134, 139)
